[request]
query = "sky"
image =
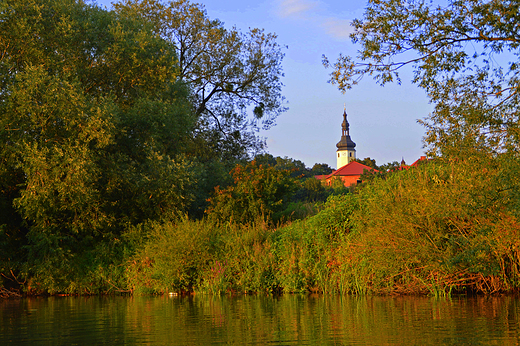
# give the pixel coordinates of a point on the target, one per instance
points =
(383, 120)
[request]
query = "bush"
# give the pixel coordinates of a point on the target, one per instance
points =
(259, 192)
(175, 256)
(448, 225)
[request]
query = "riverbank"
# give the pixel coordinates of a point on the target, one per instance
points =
(444, 228)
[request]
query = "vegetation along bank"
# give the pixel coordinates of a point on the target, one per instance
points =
(130, 162)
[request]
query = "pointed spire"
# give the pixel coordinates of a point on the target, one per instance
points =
(345, 125)
(346, 142)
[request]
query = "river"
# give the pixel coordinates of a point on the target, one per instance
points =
(260, 320)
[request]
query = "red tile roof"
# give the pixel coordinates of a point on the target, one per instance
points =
(352, 168)
(415, 164)
(422, 158)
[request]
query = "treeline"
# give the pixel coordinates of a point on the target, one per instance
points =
(111, 121)
(450, 226)
(129, 163)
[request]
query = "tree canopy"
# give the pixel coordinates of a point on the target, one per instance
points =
(464, 53)
(257, 194)
(112, 120)
(93, 124)
(234, 77)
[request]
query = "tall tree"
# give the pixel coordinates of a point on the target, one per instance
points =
(464, 53)
(234, 77)
(92, 121)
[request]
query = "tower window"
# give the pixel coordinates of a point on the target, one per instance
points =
(338, 154)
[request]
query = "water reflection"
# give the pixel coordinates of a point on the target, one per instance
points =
(258, 320)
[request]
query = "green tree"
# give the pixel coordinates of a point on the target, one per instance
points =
(234, 77)
(258, 192)
(296, 167)
(320, 169)
(313, 190)
(463, 53)
(367, 161)
(92, 125)
(265, 159)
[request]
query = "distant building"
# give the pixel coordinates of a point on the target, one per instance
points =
(421, 160)
(349, 171)
(346, 152)
(350, 174)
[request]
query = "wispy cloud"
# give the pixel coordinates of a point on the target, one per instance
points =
(338, 28)
(289, 8)
(310, 11)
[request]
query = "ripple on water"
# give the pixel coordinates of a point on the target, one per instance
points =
(260, 320)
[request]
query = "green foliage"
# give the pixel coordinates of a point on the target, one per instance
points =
(234, 77)
(464, 54)
(257, 192)
(211, 257)
(265, 159)
(437, 228)
(295, 167)
(306, 250)
(93, 124)
(321, 169)
(174, 257)
(249, 259)
(449, 226)
(312, 190)
(105, 135)
(203, 256)
(367, 161)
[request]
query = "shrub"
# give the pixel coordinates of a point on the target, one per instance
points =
(258, 192)
(437, 228)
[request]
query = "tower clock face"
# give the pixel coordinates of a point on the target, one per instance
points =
(344, 154)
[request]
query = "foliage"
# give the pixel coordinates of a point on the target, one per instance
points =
(313, 190)
(174, 257)
(464, 54)
(265, 159)
(215, 257)
(107, 121)
(207, 173)
(321, 169)
(100, 154)
(367, 161)
(440, 227)
(234, 77)
(296, 167)
(257, 192)
(382, 171)
(450, 226)
(203, 256)
(92, 123)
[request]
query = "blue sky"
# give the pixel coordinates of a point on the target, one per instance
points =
(383, 120)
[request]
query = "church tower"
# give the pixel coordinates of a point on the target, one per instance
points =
(346, 152)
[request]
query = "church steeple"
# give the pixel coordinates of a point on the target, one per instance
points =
(346, 151)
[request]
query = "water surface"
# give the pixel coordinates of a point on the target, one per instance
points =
(260, 320)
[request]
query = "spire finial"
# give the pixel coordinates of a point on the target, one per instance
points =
(344, 107)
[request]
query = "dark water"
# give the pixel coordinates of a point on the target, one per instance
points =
(254, 320)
